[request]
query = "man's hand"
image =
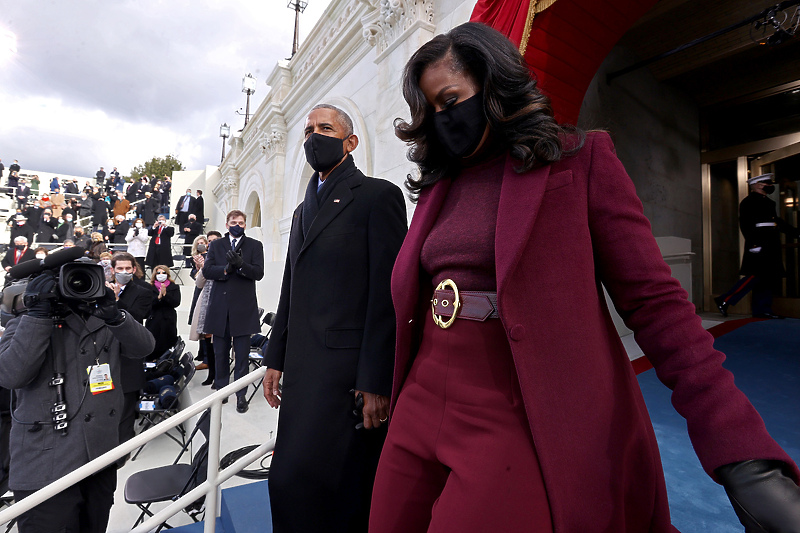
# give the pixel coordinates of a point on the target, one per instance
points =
(234, 259)
(105, 309)
(116, 287)
(272, 387)
(38, 293)
(376, 409)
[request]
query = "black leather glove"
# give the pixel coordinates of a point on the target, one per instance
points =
(39, 293)
(763, 495)
(234, 259)
(105, 309)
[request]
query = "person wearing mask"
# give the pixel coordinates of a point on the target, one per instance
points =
(108, 270)
(199, 207)
(122, 205)
(235, 263)
(46, 231)
(41, 252)
(85, 206)
(163, 320)
(34, 213)
(92, 337)
(57, 203)
(100, 210)
(159, 252)
(190, 230)
(23, 191)
(150, 208)
(137, 241)
(505, 348)
(184, 208)
(136, 300)
(66, 230)
(339, 349)
(199, 301)
(165, 192)
(19, 253)
(81, 239)
(20, 227)
(121, 227)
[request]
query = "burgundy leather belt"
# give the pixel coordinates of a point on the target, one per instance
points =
(450, 303)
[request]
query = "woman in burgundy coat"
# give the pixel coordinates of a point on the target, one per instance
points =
(507, 417)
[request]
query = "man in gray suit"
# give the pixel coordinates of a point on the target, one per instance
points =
(53, 434)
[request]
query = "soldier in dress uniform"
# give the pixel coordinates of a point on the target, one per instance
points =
(762, 265)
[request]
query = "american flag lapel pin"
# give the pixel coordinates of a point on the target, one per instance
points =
(336, 200)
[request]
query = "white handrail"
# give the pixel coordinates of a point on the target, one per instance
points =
(213, 478)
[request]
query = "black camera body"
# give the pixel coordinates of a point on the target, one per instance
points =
(81, 280)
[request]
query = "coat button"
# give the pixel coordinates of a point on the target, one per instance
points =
(87, 418)
(112, 412)
(517, 332)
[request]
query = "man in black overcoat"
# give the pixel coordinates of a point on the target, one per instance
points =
(235, 262)
(762, 263)
(190, 230)
(333, 337)
(159, 252)
(200, 207)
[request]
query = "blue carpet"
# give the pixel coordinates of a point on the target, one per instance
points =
(765, 360)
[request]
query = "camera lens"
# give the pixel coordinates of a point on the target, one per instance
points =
(80, 282)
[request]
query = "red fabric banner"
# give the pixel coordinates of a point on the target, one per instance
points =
(568, 41)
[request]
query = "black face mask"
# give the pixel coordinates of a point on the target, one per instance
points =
(769, 189)
(323, 152)
(19, 246)
(460, 128)
(236, 231)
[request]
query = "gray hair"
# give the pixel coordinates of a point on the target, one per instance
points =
(22, 239)
(344, 119)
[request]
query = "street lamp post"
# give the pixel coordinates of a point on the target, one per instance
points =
(224, 132)
(248, 87)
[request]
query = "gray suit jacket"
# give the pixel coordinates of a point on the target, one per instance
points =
(42, 456)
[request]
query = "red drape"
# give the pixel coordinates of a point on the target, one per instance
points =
(568, 41)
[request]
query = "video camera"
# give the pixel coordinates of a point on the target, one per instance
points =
(77, 279)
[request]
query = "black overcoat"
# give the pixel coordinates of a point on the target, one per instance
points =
(761, 228)
(334, 332)
(233, 296)
(137, 300)
(160, 254)
(163, 320)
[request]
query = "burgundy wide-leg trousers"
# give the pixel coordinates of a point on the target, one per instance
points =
(459, 456)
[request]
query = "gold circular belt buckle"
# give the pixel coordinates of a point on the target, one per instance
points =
(437, 319)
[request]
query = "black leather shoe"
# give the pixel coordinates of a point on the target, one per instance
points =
(241, 405)
(722, 306)
(209, 381)
(225, 401)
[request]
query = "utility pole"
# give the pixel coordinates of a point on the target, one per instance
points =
(298, 6)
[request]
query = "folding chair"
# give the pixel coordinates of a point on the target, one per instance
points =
(168, 483)
(256, 357)
(178, 261)
(153, 413)
(165, 364)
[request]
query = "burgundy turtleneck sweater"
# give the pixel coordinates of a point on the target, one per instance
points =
(460, 245)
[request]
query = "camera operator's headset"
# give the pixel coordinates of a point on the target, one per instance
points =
(12, 304)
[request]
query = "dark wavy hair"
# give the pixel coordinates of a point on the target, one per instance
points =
(519, 116)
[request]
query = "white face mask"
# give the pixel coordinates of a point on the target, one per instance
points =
(41, 256)
(161, 277)
(138, 224)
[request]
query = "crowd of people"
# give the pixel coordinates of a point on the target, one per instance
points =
(426, 376)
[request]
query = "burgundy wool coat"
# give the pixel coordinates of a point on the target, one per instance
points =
(561, 231)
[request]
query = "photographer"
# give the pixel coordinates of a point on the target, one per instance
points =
(60, 426)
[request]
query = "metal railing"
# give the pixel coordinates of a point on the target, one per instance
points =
(209, 487)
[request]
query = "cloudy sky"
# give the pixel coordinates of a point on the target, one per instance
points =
(116, 82)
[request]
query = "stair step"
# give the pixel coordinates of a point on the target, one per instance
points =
(245, 509)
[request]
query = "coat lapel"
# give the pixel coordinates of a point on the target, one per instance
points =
(520, 198)
(405, 276)
(335, 204)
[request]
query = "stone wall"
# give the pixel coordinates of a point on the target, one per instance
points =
(655, 128)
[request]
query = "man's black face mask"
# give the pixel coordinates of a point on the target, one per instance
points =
(323, 152)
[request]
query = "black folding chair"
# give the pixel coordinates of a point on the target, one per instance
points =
(256, 356)
(178, 261)
(152, 412)
(170, 482)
